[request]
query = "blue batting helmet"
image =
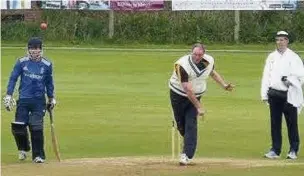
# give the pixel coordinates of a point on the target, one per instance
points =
(32, 46)
(34, 42)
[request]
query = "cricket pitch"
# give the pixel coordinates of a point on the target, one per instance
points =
(134, 166)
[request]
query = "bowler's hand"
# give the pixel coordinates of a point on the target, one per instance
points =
(51, 104)
(9, 102)
(229, 87)
(200, 112)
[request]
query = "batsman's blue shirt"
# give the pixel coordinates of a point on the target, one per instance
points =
(36, 78)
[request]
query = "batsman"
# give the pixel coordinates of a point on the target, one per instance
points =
(36, 81)
(187, 84)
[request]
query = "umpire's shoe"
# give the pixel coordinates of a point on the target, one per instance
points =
(292, 155)
(22, 155)
(38, 160)
(271, 155)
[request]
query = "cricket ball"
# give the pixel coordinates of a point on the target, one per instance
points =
(43, 26)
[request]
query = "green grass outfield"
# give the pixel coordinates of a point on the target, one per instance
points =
(116, 104)
(266, 46)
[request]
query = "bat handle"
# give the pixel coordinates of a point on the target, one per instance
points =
(51, 115)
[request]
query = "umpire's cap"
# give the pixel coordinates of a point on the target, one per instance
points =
(282, 34)
(34, 42)
(290, 36)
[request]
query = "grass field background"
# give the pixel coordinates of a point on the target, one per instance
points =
(115, 103)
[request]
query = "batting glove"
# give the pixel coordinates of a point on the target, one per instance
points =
(9, 102)
(51, 104)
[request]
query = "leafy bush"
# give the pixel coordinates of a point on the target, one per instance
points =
(161, 27)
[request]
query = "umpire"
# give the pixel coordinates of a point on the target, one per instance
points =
(281, 87)
(187, 84)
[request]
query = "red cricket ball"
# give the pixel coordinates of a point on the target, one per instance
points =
(43, 26)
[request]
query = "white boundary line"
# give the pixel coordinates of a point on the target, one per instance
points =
(144, 49)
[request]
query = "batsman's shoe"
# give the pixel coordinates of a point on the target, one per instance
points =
(292, 155)
(22, 155)
(184, 160)
(38, 160)
(271, 155)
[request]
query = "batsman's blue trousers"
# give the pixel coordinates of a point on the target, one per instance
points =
(31, 111)
(185, 115)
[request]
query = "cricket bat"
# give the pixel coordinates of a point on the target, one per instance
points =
(54, 139)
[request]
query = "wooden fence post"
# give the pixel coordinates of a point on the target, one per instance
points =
(111, 24)
(236, 26)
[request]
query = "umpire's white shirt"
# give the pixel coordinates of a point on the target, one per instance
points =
(195, 76)
(281, 64)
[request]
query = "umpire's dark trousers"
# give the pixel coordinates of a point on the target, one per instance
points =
(185, 115)
(278, 107)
